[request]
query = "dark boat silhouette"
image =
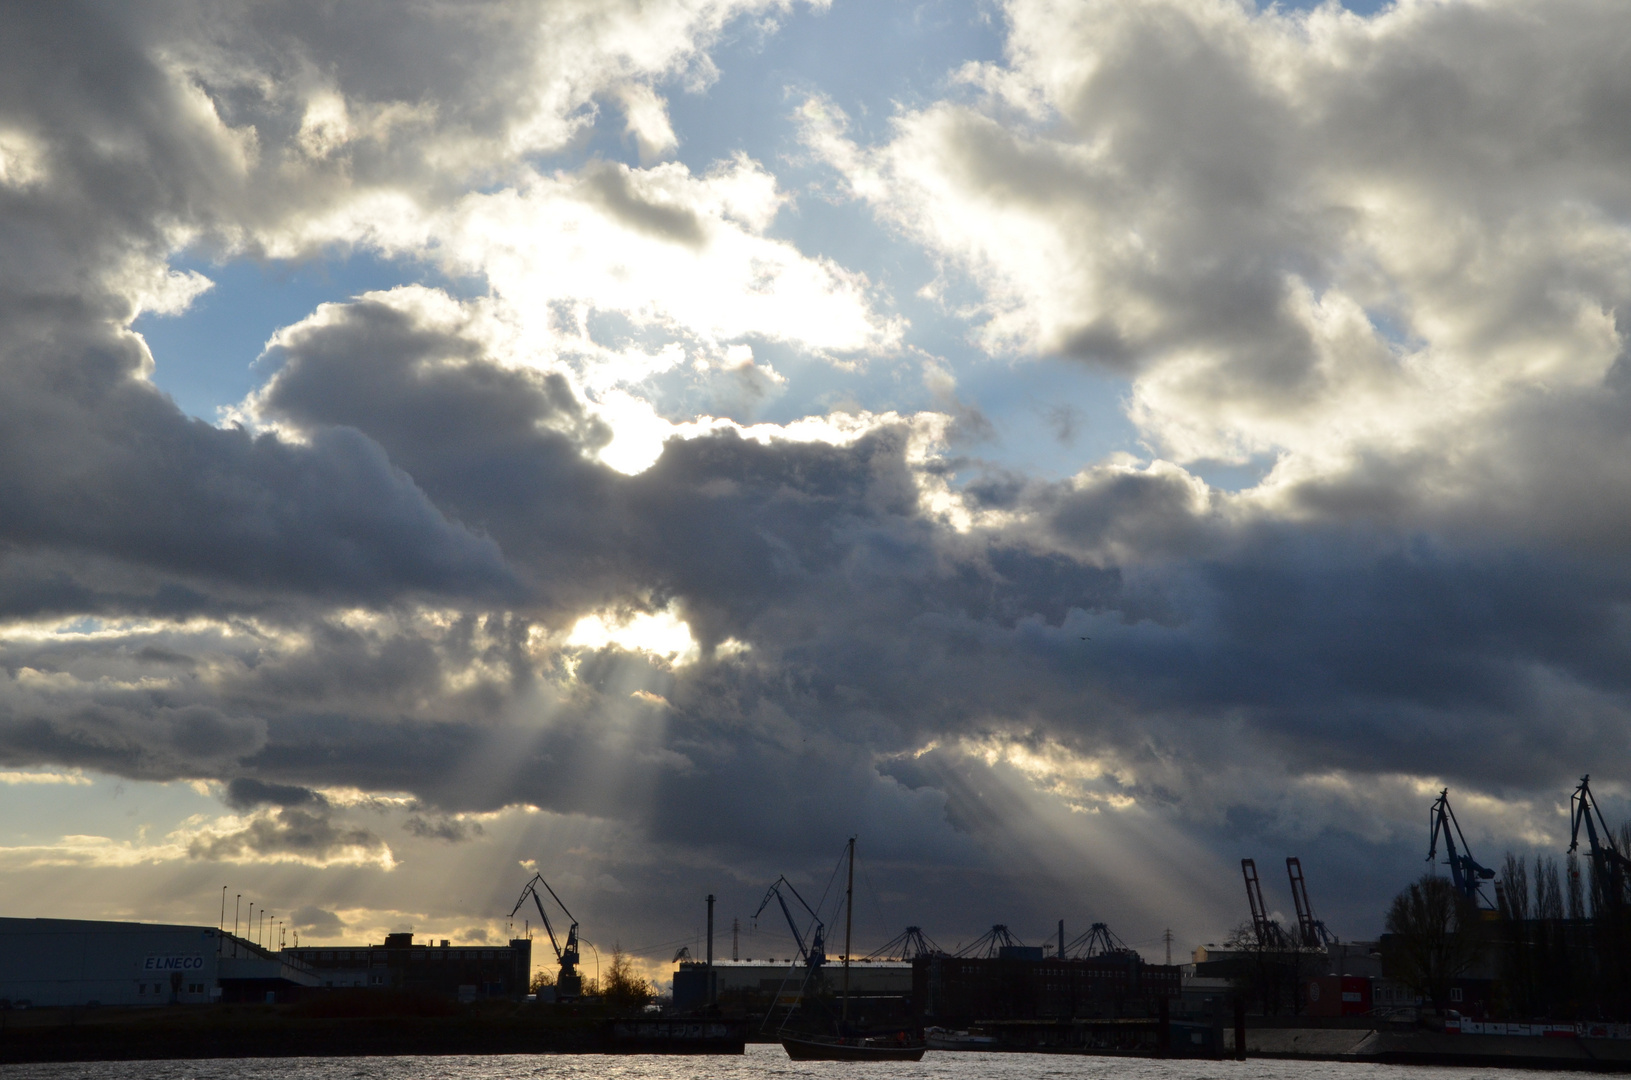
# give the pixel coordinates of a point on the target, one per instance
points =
(838, 1048)
(810, 1046)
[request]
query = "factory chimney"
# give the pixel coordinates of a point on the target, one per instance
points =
(710, 948)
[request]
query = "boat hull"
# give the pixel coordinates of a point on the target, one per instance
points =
(941, 1039)
(822, 1050)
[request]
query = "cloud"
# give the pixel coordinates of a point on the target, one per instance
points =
(72, 779)
(290, 834)
(1359, 245)
(449, 828)
(320, 923)
(246, 793)
(480, 566)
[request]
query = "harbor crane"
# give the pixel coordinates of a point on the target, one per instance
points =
(1311, 931)
(1099, 941)
(991, 943)
(1608, 864)
(1269, 933)
(568, 984)
(907, 945)
(1465, 872)
(815, 954)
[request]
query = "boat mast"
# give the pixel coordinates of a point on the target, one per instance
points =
(849, 914)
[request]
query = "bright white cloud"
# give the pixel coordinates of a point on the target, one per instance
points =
(660, 633)
(13, 778)
(665, 251)
(1304, 234)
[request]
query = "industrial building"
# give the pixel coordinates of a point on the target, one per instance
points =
(465, 972)
(757, 985)
(62, 962)
(961, 990)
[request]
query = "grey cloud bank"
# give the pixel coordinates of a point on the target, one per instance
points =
(355, 608)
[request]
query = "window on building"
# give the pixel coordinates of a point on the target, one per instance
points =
(1455, 993)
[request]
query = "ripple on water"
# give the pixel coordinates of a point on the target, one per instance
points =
(759, 1063)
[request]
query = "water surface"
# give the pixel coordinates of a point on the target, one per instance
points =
(760, 1062)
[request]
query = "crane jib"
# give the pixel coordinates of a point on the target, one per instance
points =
(813, 954)
(1608, 863)
(568, 953)
(1465, 872)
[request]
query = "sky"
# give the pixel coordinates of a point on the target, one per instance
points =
(1071, 445)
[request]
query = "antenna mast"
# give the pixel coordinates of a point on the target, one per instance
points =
(849, 916)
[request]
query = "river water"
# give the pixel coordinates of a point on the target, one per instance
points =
(761, 1061)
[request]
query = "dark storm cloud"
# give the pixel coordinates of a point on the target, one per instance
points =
(95, 461)
(433, 827)
(870, 624)
(310, 917)
(246, 793)
(892, 631)
(310, 834)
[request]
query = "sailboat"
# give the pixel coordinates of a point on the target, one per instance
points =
(843, 1046)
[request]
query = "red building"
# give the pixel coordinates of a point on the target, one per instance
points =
(1337, 995)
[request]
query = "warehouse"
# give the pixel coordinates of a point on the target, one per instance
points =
(58, 962)
(465, 972)
(955, 990)
(756, 985)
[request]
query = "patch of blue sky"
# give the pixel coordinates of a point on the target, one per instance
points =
(36, 813)
(1050, 418)
(1233, 475)
(205, 357)
(867, 56)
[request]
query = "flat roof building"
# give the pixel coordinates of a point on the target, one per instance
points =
(59, 962)
(465, 972)
(761, 984)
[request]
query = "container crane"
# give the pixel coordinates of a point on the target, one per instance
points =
(1465, 872)
(1608, 864)
(1268, 932)
(1311, 931)
(1099, 941)
(991, 943)
(907, 945)
(568, 984)
(815, 954)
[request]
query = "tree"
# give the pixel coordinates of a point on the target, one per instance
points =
(1273, 971)
(541, 980)
(1433, 937)
(623, 987)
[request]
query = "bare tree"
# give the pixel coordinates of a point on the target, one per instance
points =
(1433, 938)
(623, 987)
(1515, 878)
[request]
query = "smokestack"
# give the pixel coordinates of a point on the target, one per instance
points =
(710, 948)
